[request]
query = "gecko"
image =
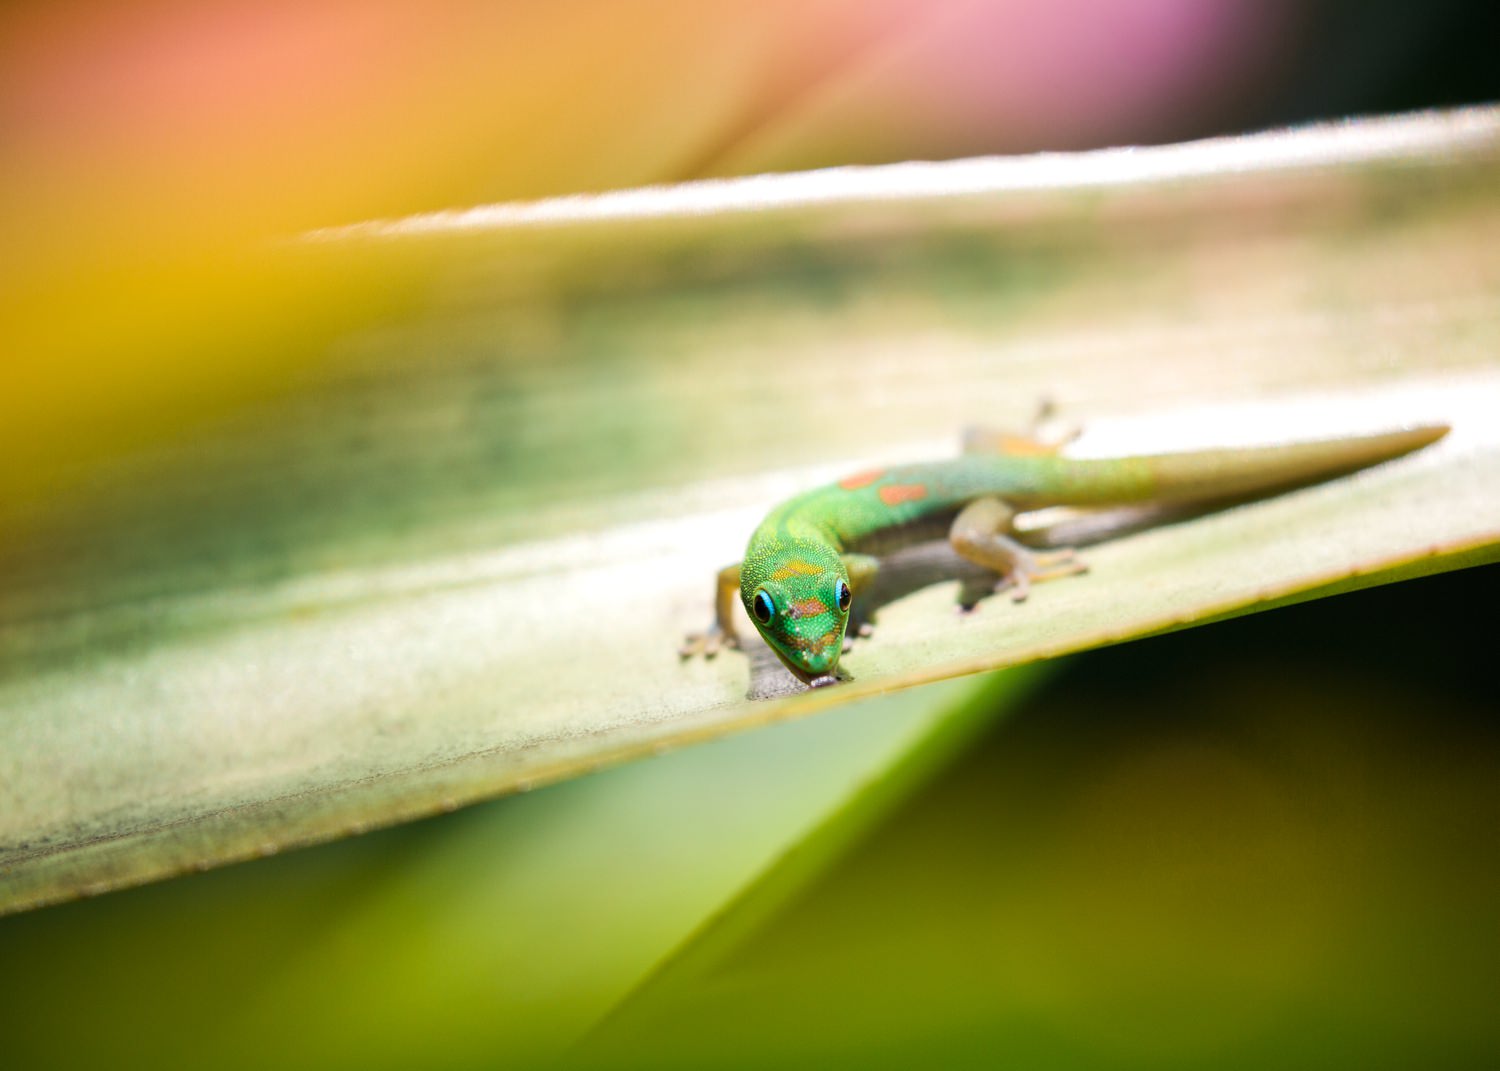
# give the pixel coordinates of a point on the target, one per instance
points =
(810, 564)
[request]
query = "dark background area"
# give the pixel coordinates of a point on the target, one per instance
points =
(1368, 58)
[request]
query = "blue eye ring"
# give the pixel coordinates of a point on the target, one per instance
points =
(844, 595)
(762, 608)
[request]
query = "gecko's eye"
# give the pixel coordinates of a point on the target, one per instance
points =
(762, 607)
(845, 596)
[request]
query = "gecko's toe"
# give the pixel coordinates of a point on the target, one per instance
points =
(1018, 584)
(707, 644)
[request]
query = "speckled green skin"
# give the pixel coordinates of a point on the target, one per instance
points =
(798, 555)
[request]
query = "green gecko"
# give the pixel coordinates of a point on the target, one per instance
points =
(812, 558)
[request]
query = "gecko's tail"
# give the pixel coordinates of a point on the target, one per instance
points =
(1235, 473)
(1225, 474)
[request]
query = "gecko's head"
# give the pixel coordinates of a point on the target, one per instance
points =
(798, 596)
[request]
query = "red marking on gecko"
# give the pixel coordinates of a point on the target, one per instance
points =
(861, 479)
(898, 493)
(809, 608)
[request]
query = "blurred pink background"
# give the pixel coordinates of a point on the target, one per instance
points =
(174, 118)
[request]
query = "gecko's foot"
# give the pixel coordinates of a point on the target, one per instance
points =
(1035, 566)
(707, 643)
(863, 630)
(1029, 567)
(1045, 435)
(857, 629)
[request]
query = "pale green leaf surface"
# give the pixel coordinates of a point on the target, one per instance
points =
(457, 561)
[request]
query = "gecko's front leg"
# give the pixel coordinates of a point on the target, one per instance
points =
(721, 633)
(862, 569)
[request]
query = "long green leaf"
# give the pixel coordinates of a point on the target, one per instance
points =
(455, 560)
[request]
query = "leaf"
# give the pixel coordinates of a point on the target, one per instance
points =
(454, 560)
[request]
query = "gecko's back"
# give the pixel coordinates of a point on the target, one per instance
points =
(854, 510)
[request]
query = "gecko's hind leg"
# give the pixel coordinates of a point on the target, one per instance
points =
(1045, 435)
(980, 533)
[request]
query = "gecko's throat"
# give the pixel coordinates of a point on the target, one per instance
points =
(817, 668)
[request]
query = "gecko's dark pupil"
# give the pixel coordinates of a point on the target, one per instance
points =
(763, 607)
(844, 596)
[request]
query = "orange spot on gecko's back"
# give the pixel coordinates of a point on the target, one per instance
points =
(809, 608)
(898, 493)
(795, 567)
(861, 479)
